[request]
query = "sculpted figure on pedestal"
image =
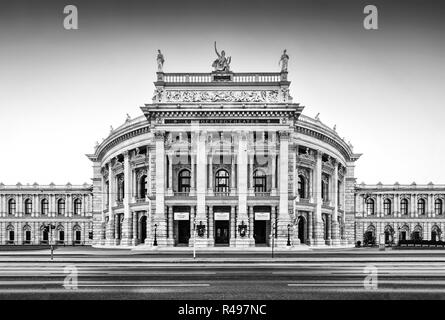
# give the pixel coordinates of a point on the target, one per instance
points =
(222, 63)
(160, 60)
(284, 61)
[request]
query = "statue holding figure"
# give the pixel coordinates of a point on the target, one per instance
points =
(284, 61)
(160, 60)
(222, 63)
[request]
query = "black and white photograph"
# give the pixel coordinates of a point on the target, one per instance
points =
(222, 155)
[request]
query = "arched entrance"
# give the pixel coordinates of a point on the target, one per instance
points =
(389, 235)
(301, 230)
(143, 231)
(417, 233)
(369, 236)
(435, 233)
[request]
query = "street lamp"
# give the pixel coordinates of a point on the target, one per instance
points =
(155, 243)
(288, 234)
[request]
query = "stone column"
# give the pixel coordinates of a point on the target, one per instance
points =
(210, 176)
(192, 219)
(232, 226)
(134, 233)
(396, 205)
(170, 174)
(318, 238)
(126, 224)
(273, 173)
(149, 227)
(233, 175)
(250, 172)
(335, 227)
(149, 173)
(283, 213)
(431, 212)
(242, 191)
(201, 180)
(170, 223)
(111, 196)
(273, 221)
(193, 175)
(211, 224)
(251, 222)
(160, 218)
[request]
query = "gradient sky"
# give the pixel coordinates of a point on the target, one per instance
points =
(61, 90)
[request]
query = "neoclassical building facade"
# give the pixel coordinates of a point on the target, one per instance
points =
(221, 159)
(26, 211)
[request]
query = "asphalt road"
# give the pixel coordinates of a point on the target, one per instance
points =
(349, 274)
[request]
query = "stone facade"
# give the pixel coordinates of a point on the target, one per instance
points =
(26, 209)
(388, 213)
(223, 159)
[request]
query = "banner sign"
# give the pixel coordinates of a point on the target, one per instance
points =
(262, 215)
(182, 216)
(222, 216)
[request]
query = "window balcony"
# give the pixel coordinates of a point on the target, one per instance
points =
(182, 193)
(221, 193)
(262, 194)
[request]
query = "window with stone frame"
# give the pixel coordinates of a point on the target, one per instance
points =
(143, 186)
(28, 206)
(404, 207)
(301, 186)
(77, 206)
(222, 181)
(44, 206)
(387, 207)
(120, 188)
(61, 207)
(259, 181)
(421, 207)
(438, 207)
(11, 207)
(184, 180)
(370, 206)
(325, 188)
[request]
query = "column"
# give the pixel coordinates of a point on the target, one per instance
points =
(149, 227)
(431, 212)
(149, 173)
(211, 223)
(251, 222)
(69, 206)
(242, 214)
(159, 216)
(273, 173)
(335, 232)
(192, 219)
(170, 174)
(283, 212)
(111, 195)
(396, 205)
(170, 222)
(232, 226)
(310, 231)
(201, 180)
(126, 224)
(318, 223)
(250, 172)
(295, 171)
(273, 222)
(210, 176)
(193, 174)
(135, 229)
(233, 175)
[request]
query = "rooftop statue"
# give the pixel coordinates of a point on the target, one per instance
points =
(160, 60)
(284, 61)
(222, 63)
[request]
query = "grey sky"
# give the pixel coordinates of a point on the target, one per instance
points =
(61, 90)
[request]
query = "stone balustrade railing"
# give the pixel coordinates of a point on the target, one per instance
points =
(264, 77)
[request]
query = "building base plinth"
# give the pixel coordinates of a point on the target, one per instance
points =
(242, 242)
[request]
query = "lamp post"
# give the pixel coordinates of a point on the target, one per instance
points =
(155, 243)
(288, 235)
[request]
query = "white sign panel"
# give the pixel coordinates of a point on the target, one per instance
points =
(181, 216)
(262, 215)
(222, 216)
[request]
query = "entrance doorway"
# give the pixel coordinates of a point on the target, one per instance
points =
(27, 237)
(222, 232)
(183, 232)
(301, 230)
(259, 228)
(143, 232)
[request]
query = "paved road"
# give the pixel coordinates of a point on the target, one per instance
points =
(308, 275)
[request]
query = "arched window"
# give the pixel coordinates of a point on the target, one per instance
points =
(404, 207)
(11, 206)
(143, 187)
(370, 206)
(259, 181)
(61, 207)
(77, 206)
(301, 187)
(222, 181)
(28, 206)
(387, 207)
(421, 206)
(325, 190)
(438, 207)
(44, 207)
(120, 189)
(184, 178)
